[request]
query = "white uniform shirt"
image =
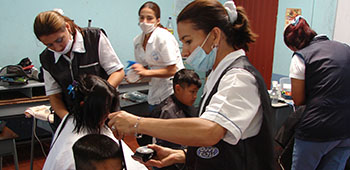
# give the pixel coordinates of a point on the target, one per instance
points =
(61, 155)
(162, 50)
(108, 60)
(236, 104)
(297, 68)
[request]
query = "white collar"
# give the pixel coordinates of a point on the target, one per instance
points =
(224, 63)
(78, 45)
(151, 38)
(215, 74)
(320, 35)
(227, 60)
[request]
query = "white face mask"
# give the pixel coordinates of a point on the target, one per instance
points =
(201, 61)
(67, 48)
(147, 27)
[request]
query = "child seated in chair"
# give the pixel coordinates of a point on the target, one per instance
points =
(94, 98)
(186, 84)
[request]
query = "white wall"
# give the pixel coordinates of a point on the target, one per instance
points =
(118, 18)
(342, 22)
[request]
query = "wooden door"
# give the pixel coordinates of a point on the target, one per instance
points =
(263, 17)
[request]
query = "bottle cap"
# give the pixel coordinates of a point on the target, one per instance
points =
(274, 83)
(130, 63)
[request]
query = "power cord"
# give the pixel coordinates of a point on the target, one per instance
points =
(41, 145)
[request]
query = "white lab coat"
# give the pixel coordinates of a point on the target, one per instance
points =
(162, 50)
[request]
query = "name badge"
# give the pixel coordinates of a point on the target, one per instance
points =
(207, 152)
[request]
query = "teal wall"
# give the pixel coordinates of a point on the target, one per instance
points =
(119, 18)
(320, 14)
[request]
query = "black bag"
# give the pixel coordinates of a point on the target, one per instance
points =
(27, 66)
(14, 75)
(25, 62)
(285, 138)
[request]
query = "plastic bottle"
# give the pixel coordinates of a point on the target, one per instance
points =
(169, 26)
(274, 93)
(131, 75)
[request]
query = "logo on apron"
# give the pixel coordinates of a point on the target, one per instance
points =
(155, 55)
(207, 152)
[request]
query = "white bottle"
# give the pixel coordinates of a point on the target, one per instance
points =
(274, 93)
(169, 26)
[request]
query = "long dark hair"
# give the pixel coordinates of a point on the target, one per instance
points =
(94, 99)
(151, 5)
(155, 8)
(207, 14)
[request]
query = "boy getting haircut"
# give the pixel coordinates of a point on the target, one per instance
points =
(179, 105)
(97, 151)
(186, 77)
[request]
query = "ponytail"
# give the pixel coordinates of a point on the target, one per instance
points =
(239, 34)
(207, 14)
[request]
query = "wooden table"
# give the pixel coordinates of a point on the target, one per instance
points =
(8, 145)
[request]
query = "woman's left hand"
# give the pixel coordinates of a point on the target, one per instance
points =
(122, 123)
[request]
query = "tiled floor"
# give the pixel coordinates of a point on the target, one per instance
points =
(23, 152)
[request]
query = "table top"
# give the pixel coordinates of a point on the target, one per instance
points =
(123, 87)
(15, 99)
(282, 103)
(31, 84)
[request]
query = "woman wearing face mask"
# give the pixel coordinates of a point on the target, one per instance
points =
(72, 51)
(233, 129)
(157, 54)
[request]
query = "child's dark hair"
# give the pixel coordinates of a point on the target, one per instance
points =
(94, 148)
(186, 77)
(95, 98)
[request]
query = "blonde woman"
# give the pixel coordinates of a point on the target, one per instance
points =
(72, 51)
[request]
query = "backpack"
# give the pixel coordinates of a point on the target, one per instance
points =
(14, 75)
(285, 138)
